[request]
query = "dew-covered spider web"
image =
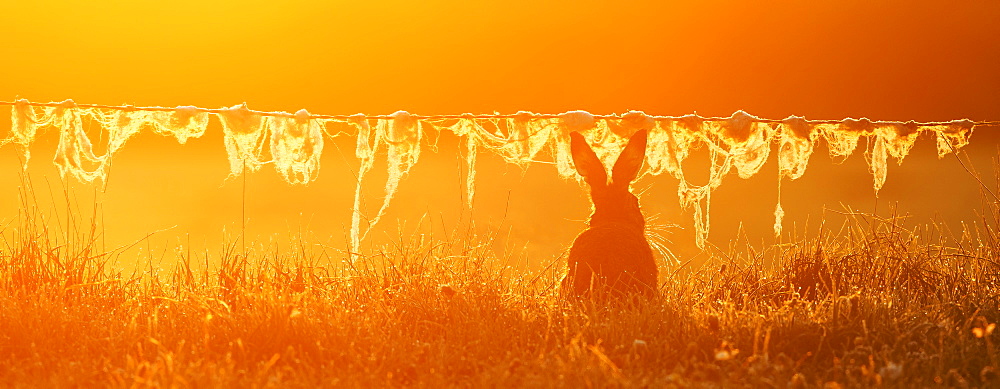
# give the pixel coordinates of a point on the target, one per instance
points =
(293, 144)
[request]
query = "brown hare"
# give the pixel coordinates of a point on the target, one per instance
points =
(612, 255)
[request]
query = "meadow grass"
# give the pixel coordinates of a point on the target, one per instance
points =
(870, 305)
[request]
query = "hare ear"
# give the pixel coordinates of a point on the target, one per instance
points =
(586, 161)
(628, 163)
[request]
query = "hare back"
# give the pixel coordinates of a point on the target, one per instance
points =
(614, 255)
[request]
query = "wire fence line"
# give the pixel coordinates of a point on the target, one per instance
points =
(72, 104)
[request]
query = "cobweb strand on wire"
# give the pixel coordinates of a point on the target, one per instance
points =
(293, 143)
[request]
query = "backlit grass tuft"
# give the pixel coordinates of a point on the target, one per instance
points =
(872, 305)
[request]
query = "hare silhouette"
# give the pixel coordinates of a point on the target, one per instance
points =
(612, 256)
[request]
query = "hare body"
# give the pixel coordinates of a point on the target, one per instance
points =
(612, 254)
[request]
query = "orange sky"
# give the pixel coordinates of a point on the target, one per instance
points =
(925, 61)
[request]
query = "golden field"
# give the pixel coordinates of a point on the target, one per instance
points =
(871, 304)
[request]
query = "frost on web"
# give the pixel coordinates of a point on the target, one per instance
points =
(244, 135)
(951, 136)
(401, 134)
(740, 142)
(296, 146)
(891, 139)
(25, 122)
(884, 139)
(796, 140)
(471, 152)
(525, 137)
(630, 123)
(365, 152)
(474, 133)
(743, 142)
(746, 141)
(670, 142)
(468, 130)
(75, 153)
(182, 123)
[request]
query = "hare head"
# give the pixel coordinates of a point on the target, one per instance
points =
(612, 253)
(613, 202)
